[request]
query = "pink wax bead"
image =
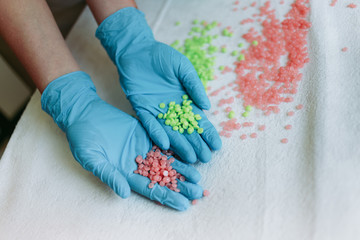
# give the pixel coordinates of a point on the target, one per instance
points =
(228, 109)
(216, 112)
(253, 135)
(344, 49)
(284, 140)
(206, 193)
(177, 190)
(139, 159)
(182, 178)
(151, 185)
(194, 202)
(291, 113)
(162, 183)
(262, 127)
(243, 137)
(228, 135)
(288, 127)
(299, 107)
(166, 173)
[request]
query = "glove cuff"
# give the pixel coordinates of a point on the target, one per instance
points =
(122, 29)
(63, 94)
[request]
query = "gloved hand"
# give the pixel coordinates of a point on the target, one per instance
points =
(106, 141)
(152, 73)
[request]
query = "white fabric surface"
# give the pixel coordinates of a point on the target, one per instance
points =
(260, 188)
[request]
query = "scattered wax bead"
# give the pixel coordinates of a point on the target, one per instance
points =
(299, 107)
(253, 135)
(233, 53)
(162, 105)
(185, 97)
(223, 50)
(216, 112)
(243, 136)
(206, 193)
(241, 57)
(245, 114)
(291, 113)
(194, 202)
(240, 45)
(151, 185)
(288, 127)
(284, 140)
(261, 127)
(195, 21)
(228, 109)
(231, 114)
(344, 49)
(255, 43)
(182, 178)
(248, 108)
(160, 115)
(177, 23)
(200, 130)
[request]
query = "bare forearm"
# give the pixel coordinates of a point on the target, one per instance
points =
(101, 9)
(31, 31)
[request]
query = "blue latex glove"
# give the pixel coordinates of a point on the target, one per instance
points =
(152, 73)
(106, 141)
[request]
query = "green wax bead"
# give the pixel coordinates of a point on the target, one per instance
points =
(190, 130)
(245, 114)
(223, 50)
(177, 23)
(221, 68)
(248, 108)
(200, 130)
(231, 114)
(231, 34)
(195, 21)
(171, 104)
(191, 118)
(162, 105)
(255, 43)
(181, 130)
(241, 57)
(167, 122)
(185, 97)
(186, 110)
(175, 128)
(165, 115)
(160, 115)
(240, 45)
(197, 117)
(215, 36)
(185, 126)
(233, 53)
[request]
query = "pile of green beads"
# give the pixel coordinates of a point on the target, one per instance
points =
(181, 117)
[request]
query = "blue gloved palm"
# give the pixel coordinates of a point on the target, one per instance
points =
(152, 73)
(106, 141)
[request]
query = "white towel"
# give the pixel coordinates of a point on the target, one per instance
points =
(260, 188)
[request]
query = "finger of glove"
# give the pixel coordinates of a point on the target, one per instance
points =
(155, 130)
(180, 145)
(192, 84)
(163, 195)
(108, 174)
(190, 190)
(210, 134)
(188, 171)
(200, 147)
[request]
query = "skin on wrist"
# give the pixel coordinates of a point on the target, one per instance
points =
(102, 9)
(31, 31)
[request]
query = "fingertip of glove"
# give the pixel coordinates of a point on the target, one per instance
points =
(217, 144)
(124, 193)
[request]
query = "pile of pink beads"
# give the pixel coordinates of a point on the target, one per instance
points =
(157, 167)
